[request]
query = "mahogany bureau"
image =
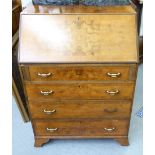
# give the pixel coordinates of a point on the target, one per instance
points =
(79, 68)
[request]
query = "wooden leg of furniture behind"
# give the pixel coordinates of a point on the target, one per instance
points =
(123, 141)
(40, 141)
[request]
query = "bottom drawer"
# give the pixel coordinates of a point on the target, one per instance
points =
(81, 128)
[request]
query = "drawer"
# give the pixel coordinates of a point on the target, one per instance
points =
(80, 91)
(69, 72)
(81, 128)
(80, 109)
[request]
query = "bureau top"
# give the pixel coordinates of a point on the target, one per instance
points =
(78, 9)
(79, 34)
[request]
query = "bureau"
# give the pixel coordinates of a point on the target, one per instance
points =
(78, 66)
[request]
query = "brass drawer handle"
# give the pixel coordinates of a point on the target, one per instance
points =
(110, 110)
(51, 129)
(114, 75)
(49, 112)
(46, 93)
(110, 129)
(44, 75)
(112, 92)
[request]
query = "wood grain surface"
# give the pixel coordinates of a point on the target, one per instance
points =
(78, 38)
(80, 109)
(79, 91)
(83, 127)
(83, 72)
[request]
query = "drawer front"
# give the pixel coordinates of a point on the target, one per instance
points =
(80, 91)
(82, 128)
(67, 72)
(80, 109)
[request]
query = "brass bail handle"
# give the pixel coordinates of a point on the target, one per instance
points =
(48, 112)
(51, 129)
(110, 129)
(44, 75)
(115, 92)
(46, 93)
(114, 75)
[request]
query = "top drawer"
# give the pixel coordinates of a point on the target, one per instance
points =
(80, 72)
